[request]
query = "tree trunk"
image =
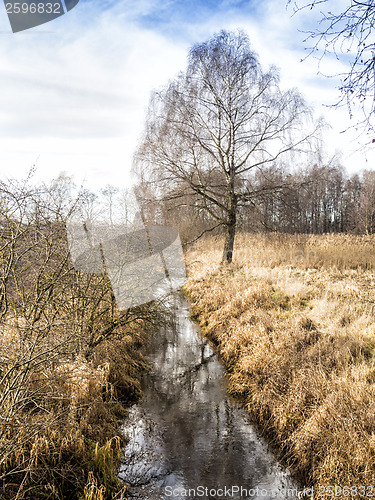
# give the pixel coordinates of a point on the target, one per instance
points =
(229, 238)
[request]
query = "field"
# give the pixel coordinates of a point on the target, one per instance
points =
(294, 321)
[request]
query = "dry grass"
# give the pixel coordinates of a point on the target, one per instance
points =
(294, 321)
(71, 449)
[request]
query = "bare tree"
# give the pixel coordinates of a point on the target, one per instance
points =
(52, 318)
(109, 192)
(347, 32)
(215, 125)
(366, 208)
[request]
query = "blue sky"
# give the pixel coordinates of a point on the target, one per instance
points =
(75, 91)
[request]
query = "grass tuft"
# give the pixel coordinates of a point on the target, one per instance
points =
(294, 321)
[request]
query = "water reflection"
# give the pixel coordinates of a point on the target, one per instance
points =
(187, 434)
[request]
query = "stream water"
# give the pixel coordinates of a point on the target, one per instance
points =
(187, 438)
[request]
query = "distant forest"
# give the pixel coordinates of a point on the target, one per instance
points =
(227, 149)
(315, 200)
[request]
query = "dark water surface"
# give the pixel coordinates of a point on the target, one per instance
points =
(186, 433)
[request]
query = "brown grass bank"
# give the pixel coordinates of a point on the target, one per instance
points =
(69, 362)
(294, 321)
(71, 450)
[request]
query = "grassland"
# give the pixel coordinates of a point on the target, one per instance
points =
(294, 321)
(71, 450)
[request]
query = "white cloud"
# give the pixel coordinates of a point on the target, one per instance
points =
(75, 91)
(278, 39)
(76, 98)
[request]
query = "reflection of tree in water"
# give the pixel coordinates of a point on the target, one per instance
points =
(204, 435)
(186, 432)
(143, 459)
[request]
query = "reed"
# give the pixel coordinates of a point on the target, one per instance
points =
(72, 450)
(294, 321)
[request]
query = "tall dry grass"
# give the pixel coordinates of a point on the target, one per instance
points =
(342, 251)
(71, 449)
(294, 321)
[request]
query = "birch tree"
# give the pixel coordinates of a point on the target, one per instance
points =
(210, 129)
(345, 30)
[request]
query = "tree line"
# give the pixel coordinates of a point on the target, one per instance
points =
(219, 151)
(314, 200)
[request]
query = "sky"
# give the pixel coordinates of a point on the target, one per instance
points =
(75, 91)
